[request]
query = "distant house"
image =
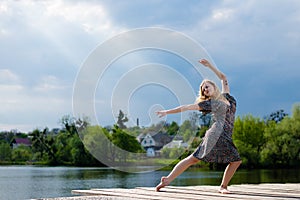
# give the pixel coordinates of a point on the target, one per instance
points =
(152, 142)
(177, 144)
(20, 141)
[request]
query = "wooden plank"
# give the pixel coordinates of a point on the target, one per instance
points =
(213, 194)
(194, 194)
(239, 192)
(124, 193)
(88, 198)
(151, 192)
(257, 191)
(290, 188)
(270, 190)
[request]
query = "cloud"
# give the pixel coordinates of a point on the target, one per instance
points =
(43, 46)
(52, 29)
(91, 17)
(8, 77)
(26, 107)
(52, 14)
(241, 30)
(50, 83)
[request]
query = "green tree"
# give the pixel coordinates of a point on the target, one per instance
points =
(173, 153)
(122, 119)
(277, 116)
(80, 156)
(134, 131)
(97, 141)
(172, 128)
(159, 127)
(5, 151)
(44, 144)
(186, 131)
(21, 154)
(70, 149)
(248, 136)
(283, 142)
(38, 140)
(63, 149)
(176, 152)
(126, 142)
(7, 136)
(72, 125)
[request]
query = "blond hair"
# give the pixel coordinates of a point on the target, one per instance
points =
(216, 96)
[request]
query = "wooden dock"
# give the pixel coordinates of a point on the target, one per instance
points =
(238, 192)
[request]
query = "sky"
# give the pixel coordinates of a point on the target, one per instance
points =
(45, 44)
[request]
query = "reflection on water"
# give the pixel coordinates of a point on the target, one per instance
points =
(25, 182)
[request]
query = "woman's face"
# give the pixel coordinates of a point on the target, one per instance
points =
(208, 89)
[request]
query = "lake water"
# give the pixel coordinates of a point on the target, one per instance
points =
(27, 182)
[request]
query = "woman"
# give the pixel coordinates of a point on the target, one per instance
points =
(217, 145)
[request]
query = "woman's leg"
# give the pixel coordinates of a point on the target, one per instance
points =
(228, 174)
(177, 170)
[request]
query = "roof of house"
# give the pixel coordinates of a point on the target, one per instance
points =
(160, 138)
(24, 141)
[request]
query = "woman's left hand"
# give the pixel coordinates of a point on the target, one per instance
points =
(205, 62)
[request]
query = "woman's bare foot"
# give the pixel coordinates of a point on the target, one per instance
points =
(163, 182)
(223, 190)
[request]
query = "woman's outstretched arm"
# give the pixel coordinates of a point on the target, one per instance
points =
(222, 76)
(178, 109)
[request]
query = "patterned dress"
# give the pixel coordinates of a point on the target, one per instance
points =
(217, 145)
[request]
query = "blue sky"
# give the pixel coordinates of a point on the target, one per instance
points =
(45, 43)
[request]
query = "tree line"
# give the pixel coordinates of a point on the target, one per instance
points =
(273, 141)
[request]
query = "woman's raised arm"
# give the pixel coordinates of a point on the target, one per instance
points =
(222, 76)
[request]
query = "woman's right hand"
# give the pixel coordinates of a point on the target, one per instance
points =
(161, 113)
